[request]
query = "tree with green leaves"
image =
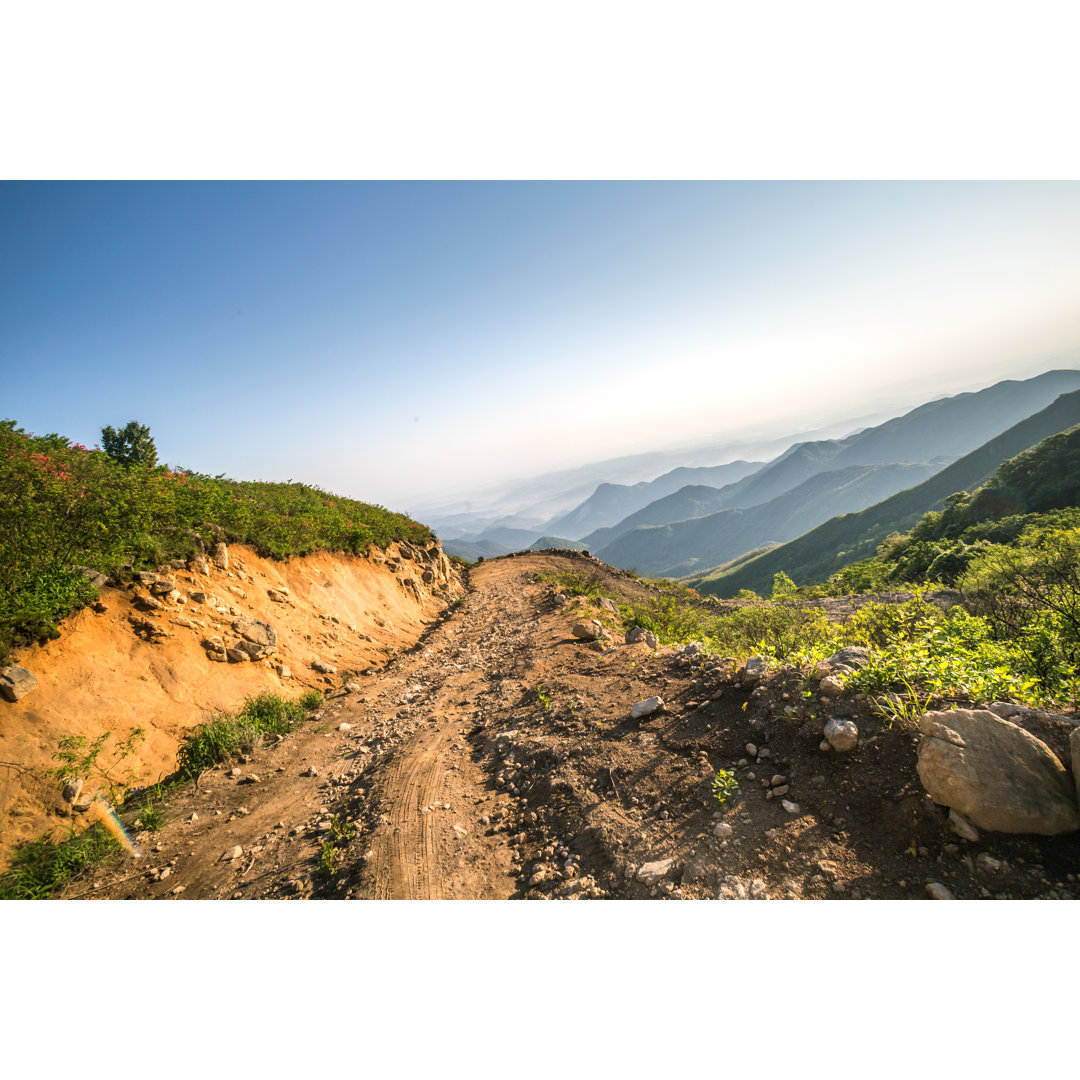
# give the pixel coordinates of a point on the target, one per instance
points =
(130, 446)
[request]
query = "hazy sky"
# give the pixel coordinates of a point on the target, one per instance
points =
(396, 341)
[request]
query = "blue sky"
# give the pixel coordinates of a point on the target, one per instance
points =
(396, 342)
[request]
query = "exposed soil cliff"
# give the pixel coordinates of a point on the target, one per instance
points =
(140, 660)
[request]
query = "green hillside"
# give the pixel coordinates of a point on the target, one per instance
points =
(63, 506)
(678, 548)
(823, 551)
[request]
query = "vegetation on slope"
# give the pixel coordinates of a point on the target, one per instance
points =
(63, 505)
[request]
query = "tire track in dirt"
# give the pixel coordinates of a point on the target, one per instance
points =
(406, 855)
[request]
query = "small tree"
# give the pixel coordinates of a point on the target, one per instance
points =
(130, 446)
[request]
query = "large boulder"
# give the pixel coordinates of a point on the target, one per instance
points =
(996, 774)
(15, 682)
(588, 631)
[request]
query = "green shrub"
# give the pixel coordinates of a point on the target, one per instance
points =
(225, 736)
(41, 867)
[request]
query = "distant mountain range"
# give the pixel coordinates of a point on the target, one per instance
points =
(697, 516)
(682, 547)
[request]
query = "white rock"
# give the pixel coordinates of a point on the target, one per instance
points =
(938, 891)
(344, 727)
(723, 831)
(653, 872)
(791, 807)
(232, 854)
(646, 707)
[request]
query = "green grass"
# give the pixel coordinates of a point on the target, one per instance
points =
(42, 867)
(225, 736)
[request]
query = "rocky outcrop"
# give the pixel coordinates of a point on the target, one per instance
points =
(995, 773)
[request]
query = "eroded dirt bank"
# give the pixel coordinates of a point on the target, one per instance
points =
(133, 665)
(497, 759)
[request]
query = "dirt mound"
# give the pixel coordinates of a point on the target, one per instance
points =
(498, 759)
(132, 665)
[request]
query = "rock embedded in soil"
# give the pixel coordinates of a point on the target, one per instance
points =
(232, 854)
(854, 656)
(323, 667)
(995, 773)
(255, 631)
(831, 686)
(755, 670)
(588, 631)
(652, 873)
(841, 735)
(938, 891)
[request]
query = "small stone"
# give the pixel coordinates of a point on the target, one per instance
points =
(461, 830)
(780, 789)
(723, 831)
(751, 749)
(344, 727)
(232, 854)
(323, 667)
(193, 817)
(71, 791)
(824, 746)
(938, 891)
(777, 780)
(310, 771)
(791, 807)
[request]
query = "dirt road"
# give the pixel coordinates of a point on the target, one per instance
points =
(497, 759)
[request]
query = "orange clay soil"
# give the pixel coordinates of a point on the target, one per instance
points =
(350, 612)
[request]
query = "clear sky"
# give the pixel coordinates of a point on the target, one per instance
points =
(393, 342)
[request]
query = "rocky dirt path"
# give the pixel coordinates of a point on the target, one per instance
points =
(497, 759)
